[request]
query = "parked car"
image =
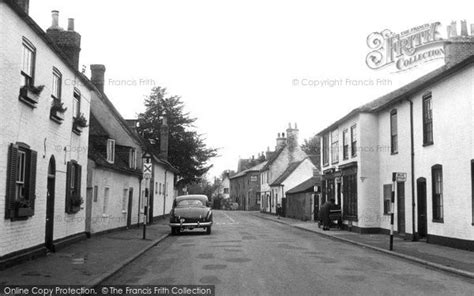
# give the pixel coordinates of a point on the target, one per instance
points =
(189, 212)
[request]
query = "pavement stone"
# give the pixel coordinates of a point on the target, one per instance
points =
(88, 262)
(444, 258)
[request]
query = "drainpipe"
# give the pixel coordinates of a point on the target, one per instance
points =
(412, 139)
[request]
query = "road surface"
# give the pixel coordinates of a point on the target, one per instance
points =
(247, 255)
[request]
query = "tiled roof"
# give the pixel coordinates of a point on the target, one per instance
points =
(289, 170)
(273, 157)
(306, 186)
(256, 168)
(404, 92)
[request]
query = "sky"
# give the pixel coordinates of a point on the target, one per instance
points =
(246, 69)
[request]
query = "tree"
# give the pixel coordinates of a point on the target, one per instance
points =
(188, 151)
(312, 147)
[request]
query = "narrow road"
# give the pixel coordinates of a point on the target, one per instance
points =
(247, 255)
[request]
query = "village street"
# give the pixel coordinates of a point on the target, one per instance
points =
(248, 255)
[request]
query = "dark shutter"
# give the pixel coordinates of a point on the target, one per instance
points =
(32, 177)
(78, 180)
(68, 187)
(11, 181)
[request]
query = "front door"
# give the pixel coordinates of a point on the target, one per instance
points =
(130, 206)
(49, 235)
(401, 207)
(422, 219)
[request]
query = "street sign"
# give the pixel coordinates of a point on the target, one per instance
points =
(147, 170)
(401, 177)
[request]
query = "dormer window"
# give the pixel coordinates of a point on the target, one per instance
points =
(133, 159)
(111, 150)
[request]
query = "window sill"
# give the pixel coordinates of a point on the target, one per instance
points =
(427, 144)
(30, 101)
(57, 117)
(438, 221)
(394, 153)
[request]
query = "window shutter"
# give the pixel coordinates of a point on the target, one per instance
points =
(11, 181)
(68, 187)
(78, 180)
(32, 177)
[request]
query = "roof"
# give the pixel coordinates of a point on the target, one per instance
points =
(256, 168)
(273, 157)
(405, 91)
(289, 170)
(49, 42)
(306, 186)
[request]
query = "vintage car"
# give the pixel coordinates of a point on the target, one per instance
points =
(189, 212)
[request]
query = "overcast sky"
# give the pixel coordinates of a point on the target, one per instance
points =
(235, 63)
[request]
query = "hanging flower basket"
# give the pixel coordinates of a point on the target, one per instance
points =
(30, 94)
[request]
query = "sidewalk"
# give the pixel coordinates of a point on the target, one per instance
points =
(452, 260)
(88, 262)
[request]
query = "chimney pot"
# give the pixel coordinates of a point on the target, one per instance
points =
(472, 29)
(70, 25)
(464, 28)
(54, 19)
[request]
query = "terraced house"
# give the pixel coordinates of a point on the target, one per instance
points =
(418, 139)
(44, 134)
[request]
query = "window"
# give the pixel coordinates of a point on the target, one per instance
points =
(110, 150)
(345, 144)
(326, 149)
(226, 190)
(28, 63)
(437, 182)
(387, 198)
(21, 181)
(96, 193)
(106, 201)
(156, 187)
(133, 158)
(335, 146)
(349, 190)
(160, 189)
(124, 200)
(76, 104)
(427, 120)
(354, 141)
(73, 187)
(57, 82)
(258, 199)
(393, 132)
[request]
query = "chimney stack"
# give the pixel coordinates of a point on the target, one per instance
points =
(68, 41)
(24, 5)
(458, 47)
(280, 141)
(97, 76)
(70, 24)
(164, 138)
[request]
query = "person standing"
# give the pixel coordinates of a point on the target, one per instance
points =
(324, 213)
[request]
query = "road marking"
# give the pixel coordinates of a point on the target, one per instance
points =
(228, 217)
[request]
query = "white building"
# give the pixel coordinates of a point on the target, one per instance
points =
(287, 152)
(425, 131)
(43, 147)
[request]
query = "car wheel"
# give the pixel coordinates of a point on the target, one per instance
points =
(208, 230)
(175, 231)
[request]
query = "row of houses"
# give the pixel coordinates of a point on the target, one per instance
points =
(417, 141)
(263, 185)
(70, 165)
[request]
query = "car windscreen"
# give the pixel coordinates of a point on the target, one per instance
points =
(190, 203)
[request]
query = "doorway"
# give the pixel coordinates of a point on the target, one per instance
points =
(130, 207)
(49, 235)
(401, 207)
(422, 218)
